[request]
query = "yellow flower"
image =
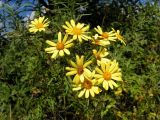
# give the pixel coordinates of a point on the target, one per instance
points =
(38, 24)
(60, 47)
(119, 37)
(87, 87)
(105, 35)
(108, 73)
(100, 55)
(78, 69)
(78, 31)
(118, 92)
(97, 41)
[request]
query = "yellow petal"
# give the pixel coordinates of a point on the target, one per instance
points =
(77, 88)
(76, 79)
(79, 60)
(67, 51)
(96, 89)
(87, 94)
(61, 53)
(79, 25)
(71, 73)
(103, 66)
(68, 42)
(33, 23)
(68, 24)
(94, 51)
(50, 49)
(51, 43)
(105, 85)
(98, 70)
(33, 30)
(36, 21)
(113, 83)
(87, 63)
(69, 45)
(81, 93)
(70, 68)
(82, 78)
(100, 29)
(65, 38)
(85, 37)
(98, 76)
(118, 74)
(100, 80)
(87, 73)
(110, 84)
(108, 65)
(92, 93)
(85, 28)
(73, 64)
(74, 37)
(64, 26)
(105, 60)
(72, 23)
(116, 78)
(41, 19)
(79, 38)
(41, 29)
(54, 55)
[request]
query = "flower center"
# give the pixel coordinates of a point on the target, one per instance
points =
(87, 84)
(105, 35)
(39, 25)
(107, 75)
(76, 31)
(60, 46)
(98, 57)
(80, 70)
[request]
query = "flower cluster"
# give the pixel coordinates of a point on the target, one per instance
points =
(89, 76)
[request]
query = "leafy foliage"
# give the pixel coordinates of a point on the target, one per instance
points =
(33, 86)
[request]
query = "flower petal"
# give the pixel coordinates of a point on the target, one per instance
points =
(87, 63)
(81, 93)
(71, 73)
(116, 78)
(82, 78)
(87, 73)
(59, 37)
(87, 94)
(61, 53)
(50, 49)
(77, 88)
(73, 64)
(105, 85)
(98, 70)
(110, 84)
(67, 51)
(72, 23)
(51, 43)
(92, 93)
(96, 89)
(76, 79)
(68, 24)
(54, 55)
(113, 83)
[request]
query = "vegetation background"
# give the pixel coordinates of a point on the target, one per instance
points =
(34, 87)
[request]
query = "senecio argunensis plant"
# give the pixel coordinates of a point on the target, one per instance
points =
(89, 77)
